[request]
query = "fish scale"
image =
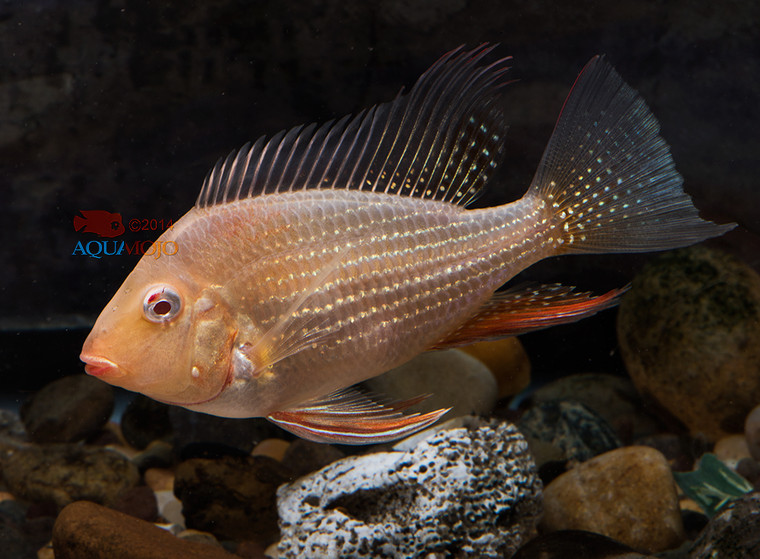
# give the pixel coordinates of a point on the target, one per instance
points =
(417, 258)
(328, 254)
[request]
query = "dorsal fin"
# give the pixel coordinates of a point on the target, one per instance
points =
(441, 141)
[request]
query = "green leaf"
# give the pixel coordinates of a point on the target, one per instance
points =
(712, 485)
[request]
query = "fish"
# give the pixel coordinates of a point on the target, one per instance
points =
(328, 254)
(100, 222)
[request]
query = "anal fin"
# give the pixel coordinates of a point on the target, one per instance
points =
(526, 308)
(351, 416)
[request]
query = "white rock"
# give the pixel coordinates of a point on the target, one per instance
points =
(170, 508)
(464, 492)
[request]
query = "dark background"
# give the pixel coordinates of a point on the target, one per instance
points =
(125, 105)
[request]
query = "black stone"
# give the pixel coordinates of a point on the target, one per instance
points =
(733, 532)
(67, 410)
(231, 497)
(578, 431)
(575, 544)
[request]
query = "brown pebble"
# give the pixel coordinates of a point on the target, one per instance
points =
(689, 335)
(159, 479)
(62, 474)
(46, 552)
(274, 448)
(139, 502)
(5, 496)
(69, 409)
(689, 504)
(85, 530)
(627, 494)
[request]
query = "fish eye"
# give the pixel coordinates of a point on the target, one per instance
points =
(161, 304)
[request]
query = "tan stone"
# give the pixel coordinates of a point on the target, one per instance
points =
(626, 494)
(46, 552)
(5, 496)
(159, 479)
(453, 379)
(689, 504)
(508, 362)
(274, 448)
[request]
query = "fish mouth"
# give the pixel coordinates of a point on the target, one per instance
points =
(101, 367)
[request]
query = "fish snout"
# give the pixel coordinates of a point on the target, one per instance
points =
(101, 367)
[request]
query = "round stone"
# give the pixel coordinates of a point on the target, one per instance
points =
(626, 494)
(508, 362)
(62, 474)
(454, 379)
(566, 430)
(274, 448)
(732, 532)
(689, 333)
(67, 410)
(87, 530)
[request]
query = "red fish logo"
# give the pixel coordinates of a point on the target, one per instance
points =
(100, 222)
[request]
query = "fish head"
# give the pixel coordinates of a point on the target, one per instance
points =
(164, 335)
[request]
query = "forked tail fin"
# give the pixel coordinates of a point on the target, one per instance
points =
(607, 175)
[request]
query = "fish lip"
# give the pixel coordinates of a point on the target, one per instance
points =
(101, 367)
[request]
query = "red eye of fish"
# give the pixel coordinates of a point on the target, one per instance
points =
(161, 304)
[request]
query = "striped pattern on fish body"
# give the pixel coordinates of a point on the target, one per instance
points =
(326, 255)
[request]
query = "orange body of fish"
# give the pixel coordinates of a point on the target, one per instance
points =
(328, 255)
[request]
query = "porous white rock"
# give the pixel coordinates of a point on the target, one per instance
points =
(464, 492)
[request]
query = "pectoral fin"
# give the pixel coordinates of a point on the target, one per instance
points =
(290, 333)
(350, 416)
(526, 308)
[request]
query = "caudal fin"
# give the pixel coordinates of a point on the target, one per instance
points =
(607, 175)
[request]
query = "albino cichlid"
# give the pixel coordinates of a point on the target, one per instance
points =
(327, 255)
